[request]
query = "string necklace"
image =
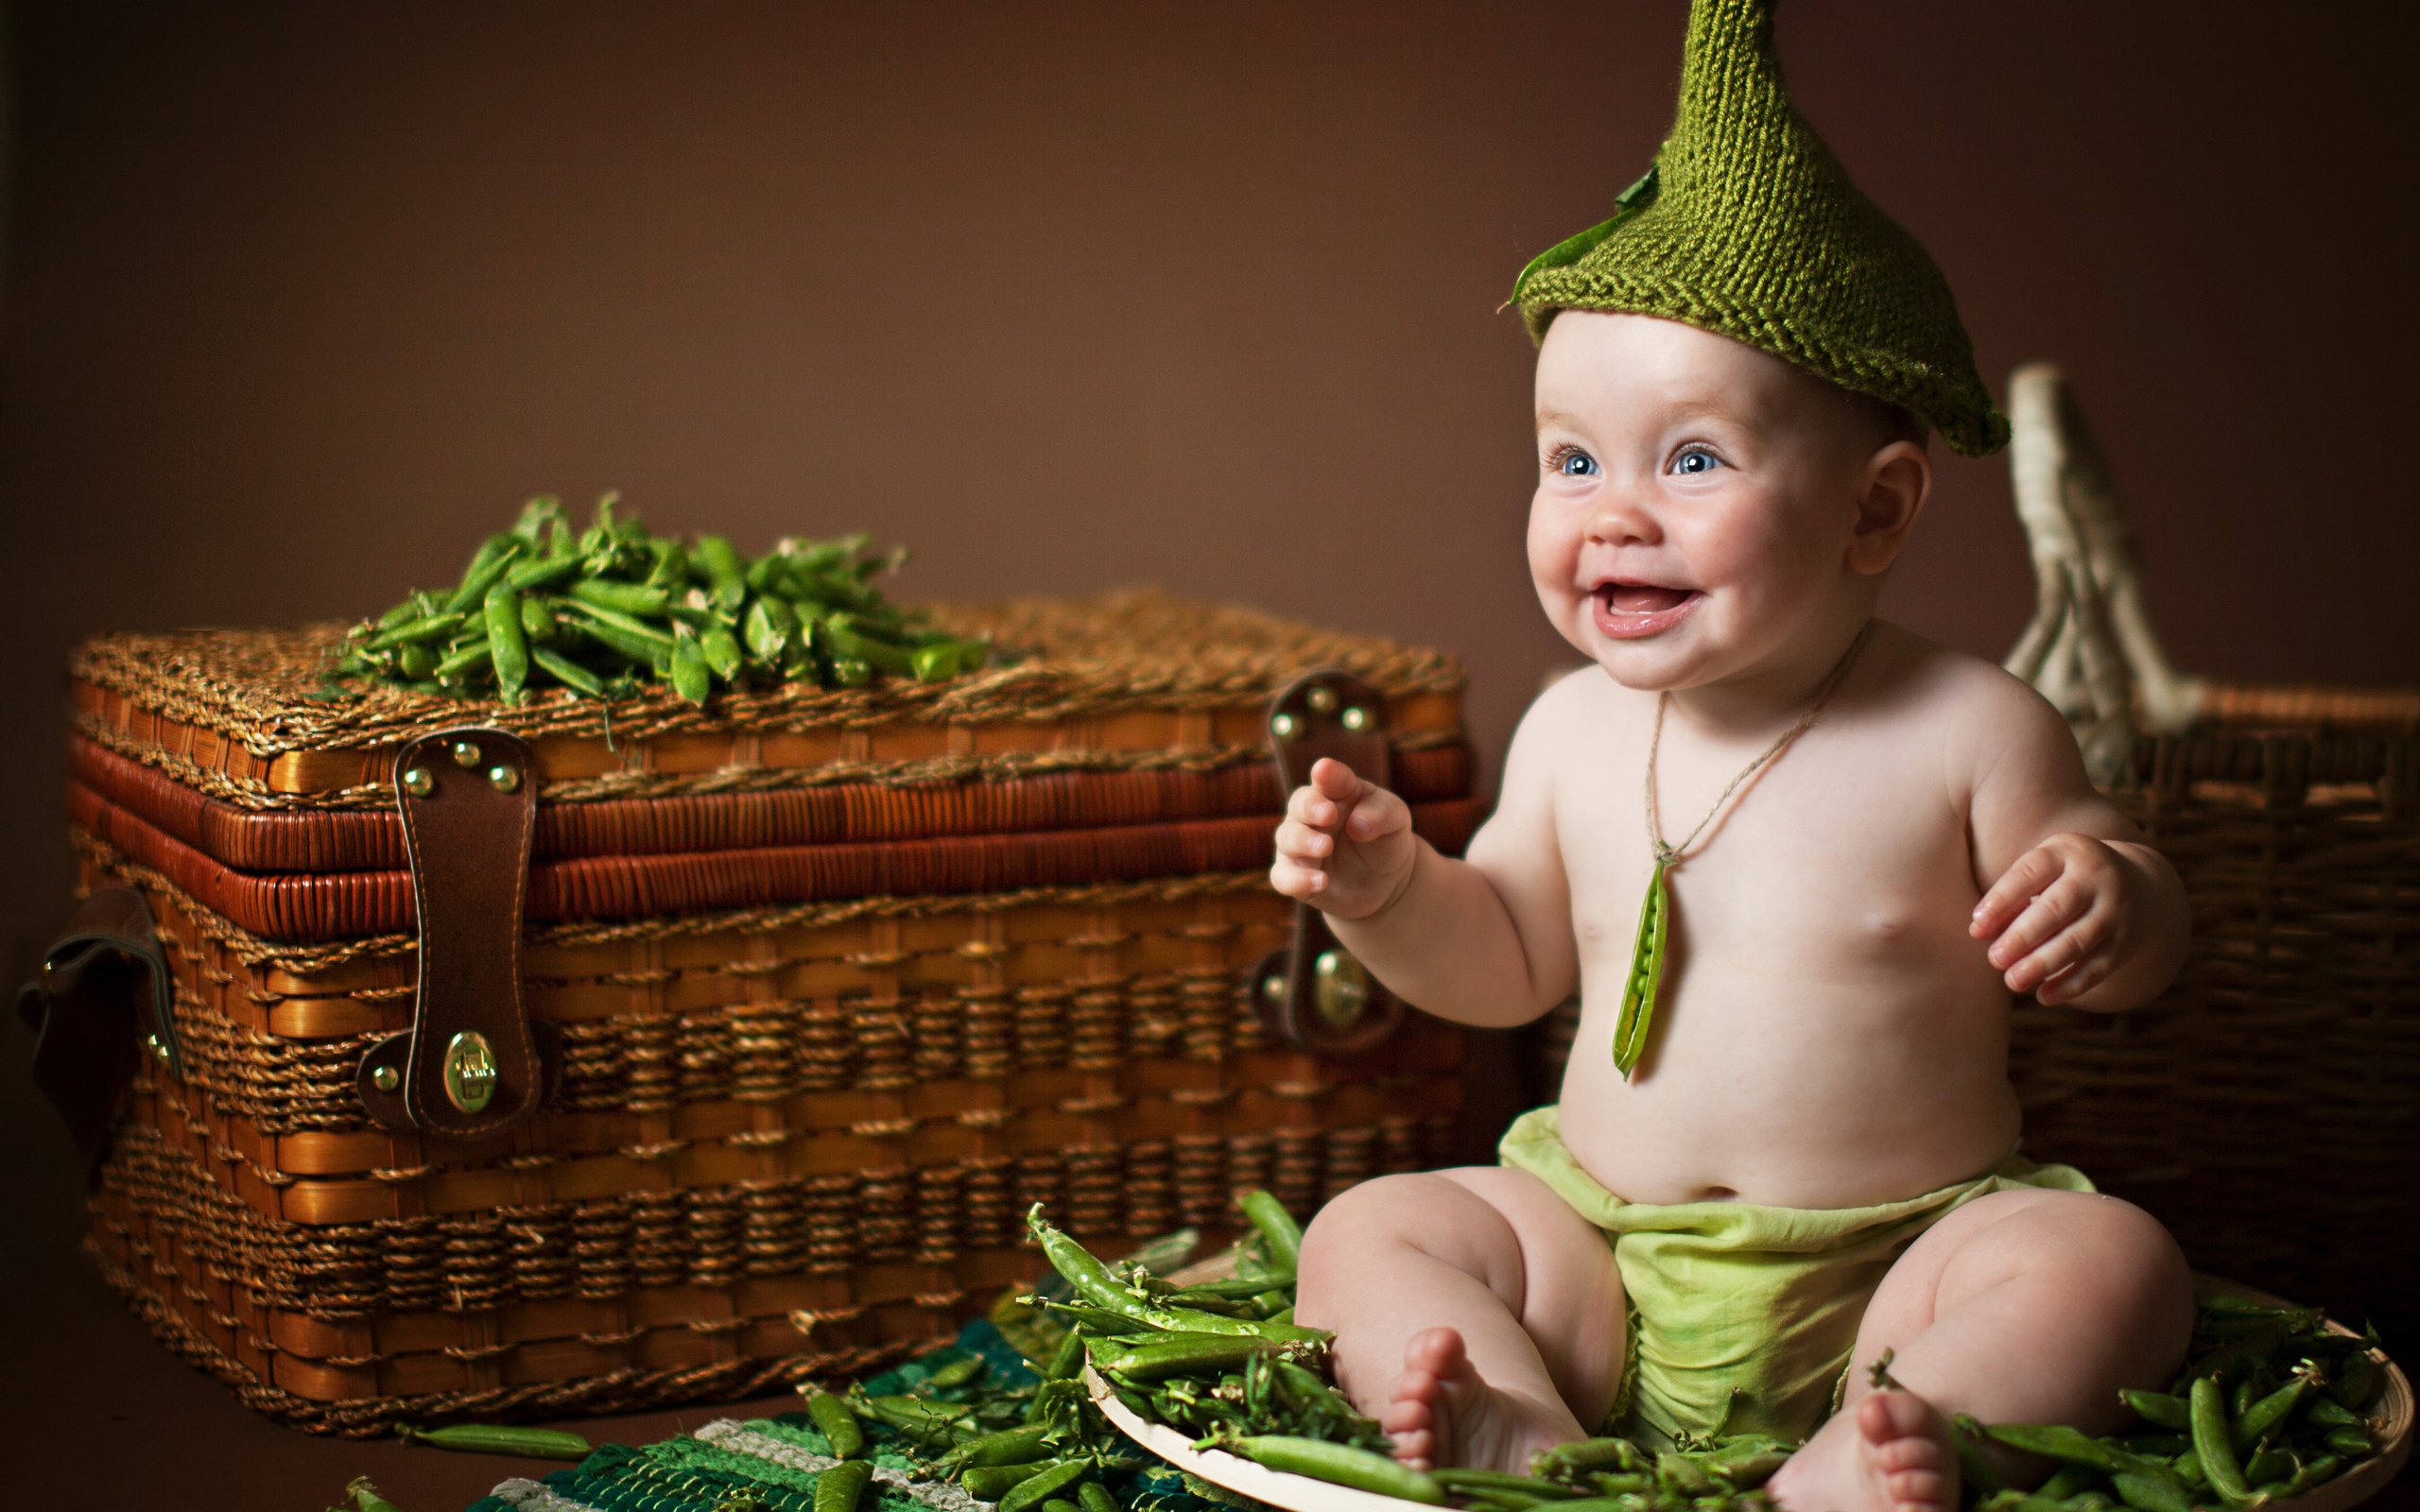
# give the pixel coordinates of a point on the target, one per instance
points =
(1655, 912)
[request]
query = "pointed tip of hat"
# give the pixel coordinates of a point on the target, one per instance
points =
(1749, 227)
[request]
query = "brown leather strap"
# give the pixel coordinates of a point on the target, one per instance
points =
(1314, 995)
(100, 999)
(470, 1065)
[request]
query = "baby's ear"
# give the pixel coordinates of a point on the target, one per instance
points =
(1893, 487)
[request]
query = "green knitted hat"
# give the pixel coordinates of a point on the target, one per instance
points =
(1748, 227)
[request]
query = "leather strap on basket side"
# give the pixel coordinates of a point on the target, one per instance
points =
(1313, 995)
(99, 1000)
(469, 1065)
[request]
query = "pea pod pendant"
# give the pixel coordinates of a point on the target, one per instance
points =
(1646, 970)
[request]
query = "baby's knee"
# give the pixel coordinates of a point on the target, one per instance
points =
(1421, 1210)
(2132, 1267)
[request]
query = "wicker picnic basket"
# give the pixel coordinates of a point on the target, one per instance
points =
(498, 1063)
(2267, 1108)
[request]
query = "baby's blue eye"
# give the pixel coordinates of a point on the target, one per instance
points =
(1694, 462)
(1572, 462)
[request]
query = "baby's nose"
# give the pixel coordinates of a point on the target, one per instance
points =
(1620, 515)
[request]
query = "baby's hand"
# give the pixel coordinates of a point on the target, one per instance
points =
(1346, 847)
(2062, 916)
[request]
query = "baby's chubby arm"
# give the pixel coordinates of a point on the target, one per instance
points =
(1485, 940)
(2077, 908)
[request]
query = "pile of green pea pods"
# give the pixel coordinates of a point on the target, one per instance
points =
(605, 610)
(2270, 1404)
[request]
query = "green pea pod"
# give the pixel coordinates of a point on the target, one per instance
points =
(2151, 1490)
(1010, 1446)
(2158, 1407)
(836, 1422)
(1638, 1014)
(2240, 1399)
(962, 1372)
(1189, 1353)
(1462, 1478)
(1340, 1465)
(725, 578)
(508, 642)
(459, 663)
(2269, 1463)
(416, 661)
(838, 1488)
(2356, 1378)
(638, 600)
(544, 573)
(490, 1438)
(1059, 1476)
(721, 650)
(1059, 1504)
(1278, 1230)
(690, 678)
(2350, 1442)
(1235, 1286)
(415, 632)
(989, 1483)
(2066, 1481)
(2256, 1421)
(412, 607)
(2187, 1467)
(2326, 1411)
(1067, 1359)
(854, 641)
(2322, 1468)
(2057, 1441)
(1093, 1497)
(538, 620)
(485, 570)
(934, 663)
(1094, 1282)
(567, 672)
(2212, 1445)
(366, 1498)
(1581, 1454)
(767, 626)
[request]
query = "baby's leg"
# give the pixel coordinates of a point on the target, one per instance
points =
(2030, 1306)
(1477, 1316)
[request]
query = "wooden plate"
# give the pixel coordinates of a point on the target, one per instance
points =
(2390, 1424)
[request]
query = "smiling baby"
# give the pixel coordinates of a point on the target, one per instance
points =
(1794, 859)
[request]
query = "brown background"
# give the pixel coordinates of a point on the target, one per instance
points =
(302, 300)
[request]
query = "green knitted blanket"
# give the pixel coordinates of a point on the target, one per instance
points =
(770, 1464)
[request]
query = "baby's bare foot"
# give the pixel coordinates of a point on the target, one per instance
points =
(1892, 1455)
(1443, 1414)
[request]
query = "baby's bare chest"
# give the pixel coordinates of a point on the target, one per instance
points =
(1844, 861)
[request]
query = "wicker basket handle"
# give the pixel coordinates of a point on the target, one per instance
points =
(1313, 995)
(100, 998)
(2091, 649)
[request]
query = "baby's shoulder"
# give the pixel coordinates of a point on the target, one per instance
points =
(1975, 708)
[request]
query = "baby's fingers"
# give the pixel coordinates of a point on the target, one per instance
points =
(1304, 843)
(2033, 874)
(1294, 879)
(2050, 948)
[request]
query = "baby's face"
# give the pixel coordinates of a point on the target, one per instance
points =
(1698, 505)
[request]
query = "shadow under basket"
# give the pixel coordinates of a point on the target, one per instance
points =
(2266, 1108)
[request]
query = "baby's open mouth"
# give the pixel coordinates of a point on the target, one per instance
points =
(1642, 598)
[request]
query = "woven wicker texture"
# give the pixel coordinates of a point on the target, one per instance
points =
(339, 905)
(843, 982)
(321, 841)
(1068, 658)
(2267, 1109)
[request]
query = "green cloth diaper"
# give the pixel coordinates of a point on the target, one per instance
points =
(1741, 1315)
